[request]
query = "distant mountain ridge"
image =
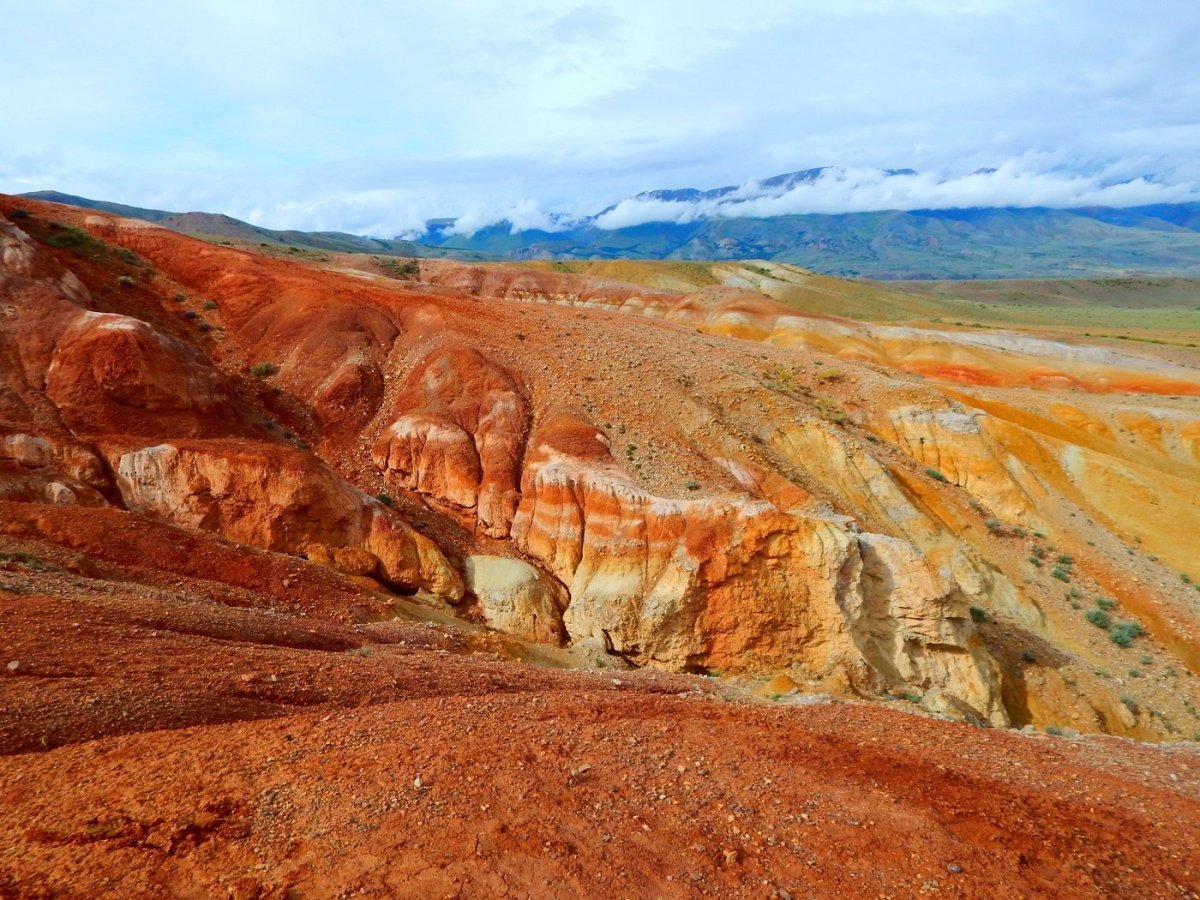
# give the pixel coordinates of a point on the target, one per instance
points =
(1162, 239)
(977, 242)
(218, 225)
(973, 242)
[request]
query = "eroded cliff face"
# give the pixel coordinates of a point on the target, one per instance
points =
(732, 582)
(789, 501)
(283, 500)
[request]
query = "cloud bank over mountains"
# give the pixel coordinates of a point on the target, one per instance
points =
(838, 189)
(841, 190)
(373, 117)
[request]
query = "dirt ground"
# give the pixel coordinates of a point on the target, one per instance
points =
(188, 748)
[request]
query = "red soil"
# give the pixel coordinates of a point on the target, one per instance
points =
(184, 718)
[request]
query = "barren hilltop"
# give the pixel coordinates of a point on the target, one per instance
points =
(326, 574)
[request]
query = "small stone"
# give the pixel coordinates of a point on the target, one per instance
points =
(954, 869)
(13, 665)
(418, 783)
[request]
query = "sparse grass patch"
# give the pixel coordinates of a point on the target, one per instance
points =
(78, 242)
(385, 499)
(25, 559)
(936, 475)
(1099, 618)
(264, 369)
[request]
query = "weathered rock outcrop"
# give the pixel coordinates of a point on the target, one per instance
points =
(516, 598)
(45, 470)
(459, 435)
(911, 624)
(733, 582)
(279, 499)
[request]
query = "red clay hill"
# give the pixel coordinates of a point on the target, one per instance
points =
(318, 581)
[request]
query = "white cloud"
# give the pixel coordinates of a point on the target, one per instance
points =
(840, 190)
(524, 215)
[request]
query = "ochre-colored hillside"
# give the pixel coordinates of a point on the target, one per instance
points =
(654, 582)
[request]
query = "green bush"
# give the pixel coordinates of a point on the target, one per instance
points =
(1106, 603)
(263, 369)
(937, 476)
(385, 499)
(1124, 633)
(1099, 618)
(978, 615)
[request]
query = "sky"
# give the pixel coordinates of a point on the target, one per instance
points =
(371, 117)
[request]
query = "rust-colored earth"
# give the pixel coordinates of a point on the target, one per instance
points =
(508, 582)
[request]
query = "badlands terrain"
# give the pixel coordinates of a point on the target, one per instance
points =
(329, 574)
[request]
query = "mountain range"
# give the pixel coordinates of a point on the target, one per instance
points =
(977, 242)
